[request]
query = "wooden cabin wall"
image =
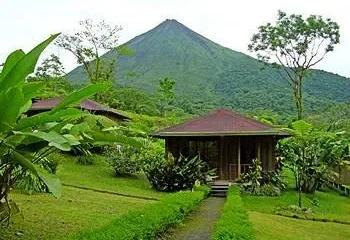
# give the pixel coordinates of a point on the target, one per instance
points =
(227, 159)
(266, 152)
(230, 156)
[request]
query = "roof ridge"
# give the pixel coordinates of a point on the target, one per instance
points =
(218, 120)
(186, 122)
(246, 117)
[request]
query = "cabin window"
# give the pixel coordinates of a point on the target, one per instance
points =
(206, 150)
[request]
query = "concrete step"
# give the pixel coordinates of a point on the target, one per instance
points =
(219, 189)
(217, 194)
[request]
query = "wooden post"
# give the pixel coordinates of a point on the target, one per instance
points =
(221, 157)
(259, 148)
(239, 157)
(166, 148)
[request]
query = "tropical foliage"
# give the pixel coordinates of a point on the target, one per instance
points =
(311, 155)
(124, 159)
(263, 183)
(25, 141)
(174, 174)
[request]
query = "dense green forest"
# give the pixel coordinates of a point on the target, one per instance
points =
(208, 75)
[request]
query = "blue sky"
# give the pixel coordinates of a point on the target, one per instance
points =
(230, 23)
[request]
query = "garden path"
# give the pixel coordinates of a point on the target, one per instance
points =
(201, 222)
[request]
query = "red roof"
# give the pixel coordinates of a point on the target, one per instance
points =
(218, 123)
(87, 104)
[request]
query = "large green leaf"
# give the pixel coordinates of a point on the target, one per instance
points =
(30, 90)
(11, 103)
(10, 62)
(24, 162)
(24, 66)
(79, 95)
(14, 140)
(103, 138)
(53, 138)
(41, 118)
(301, 127)
(71, 139)
(51, 181)
(80, 128)
(25, 107)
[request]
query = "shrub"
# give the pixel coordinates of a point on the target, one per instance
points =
(149, 222)
(259, 183)
(85, 160)
(273, 178)
(151, 152)
(124, 160)
(294, 211)
(176, 174)
(234, 222)
(270, 190)
(30, 183)
(52, 164)
(253, 177)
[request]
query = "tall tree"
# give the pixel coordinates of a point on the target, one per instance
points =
(50, 73)
(88, 44)
(51, 67)
(165, 94)
(295, 44)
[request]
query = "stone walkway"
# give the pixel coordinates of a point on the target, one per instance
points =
(201, 222)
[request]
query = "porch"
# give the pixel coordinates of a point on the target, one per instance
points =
(229, 155)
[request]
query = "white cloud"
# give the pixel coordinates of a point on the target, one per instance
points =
(229, 23)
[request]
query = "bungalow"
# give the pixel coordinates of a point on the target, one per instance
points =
(91, 106)
(225, 140)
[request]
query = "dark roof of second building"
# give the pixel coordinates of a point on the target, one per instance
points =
(87, 104)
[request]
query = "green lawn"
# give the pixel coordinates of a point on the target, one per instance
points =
(101, 176)
(45, 217)
(330, 206)
(269, 227)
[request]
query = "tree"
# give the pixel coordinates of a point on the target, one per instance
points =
(88, 45)
(311, 155)
(51, 74)
(51, 67)
(297, 44)
(165, 94)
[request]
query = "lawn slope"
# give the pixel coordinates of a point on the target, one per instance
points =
(44, 217)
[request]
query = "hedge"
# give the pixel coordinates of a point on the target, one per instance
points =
(234, 222)
(150, 221)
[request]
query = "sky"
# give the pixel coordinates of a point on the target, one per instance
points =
(230, 23)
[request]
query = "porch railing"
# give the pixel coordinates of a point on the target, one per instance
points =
(233, 168)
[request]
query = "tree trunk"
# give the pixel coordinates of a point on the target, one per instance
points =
(297, 90)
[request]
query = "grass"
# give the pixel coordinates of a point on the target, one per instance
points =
(149, 222)
(331, 206)
(234, 222)
(269, 227)
(45, 217)
(101, 176)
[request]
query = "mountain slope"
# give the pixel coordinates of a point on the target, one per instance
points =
(207, 72)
